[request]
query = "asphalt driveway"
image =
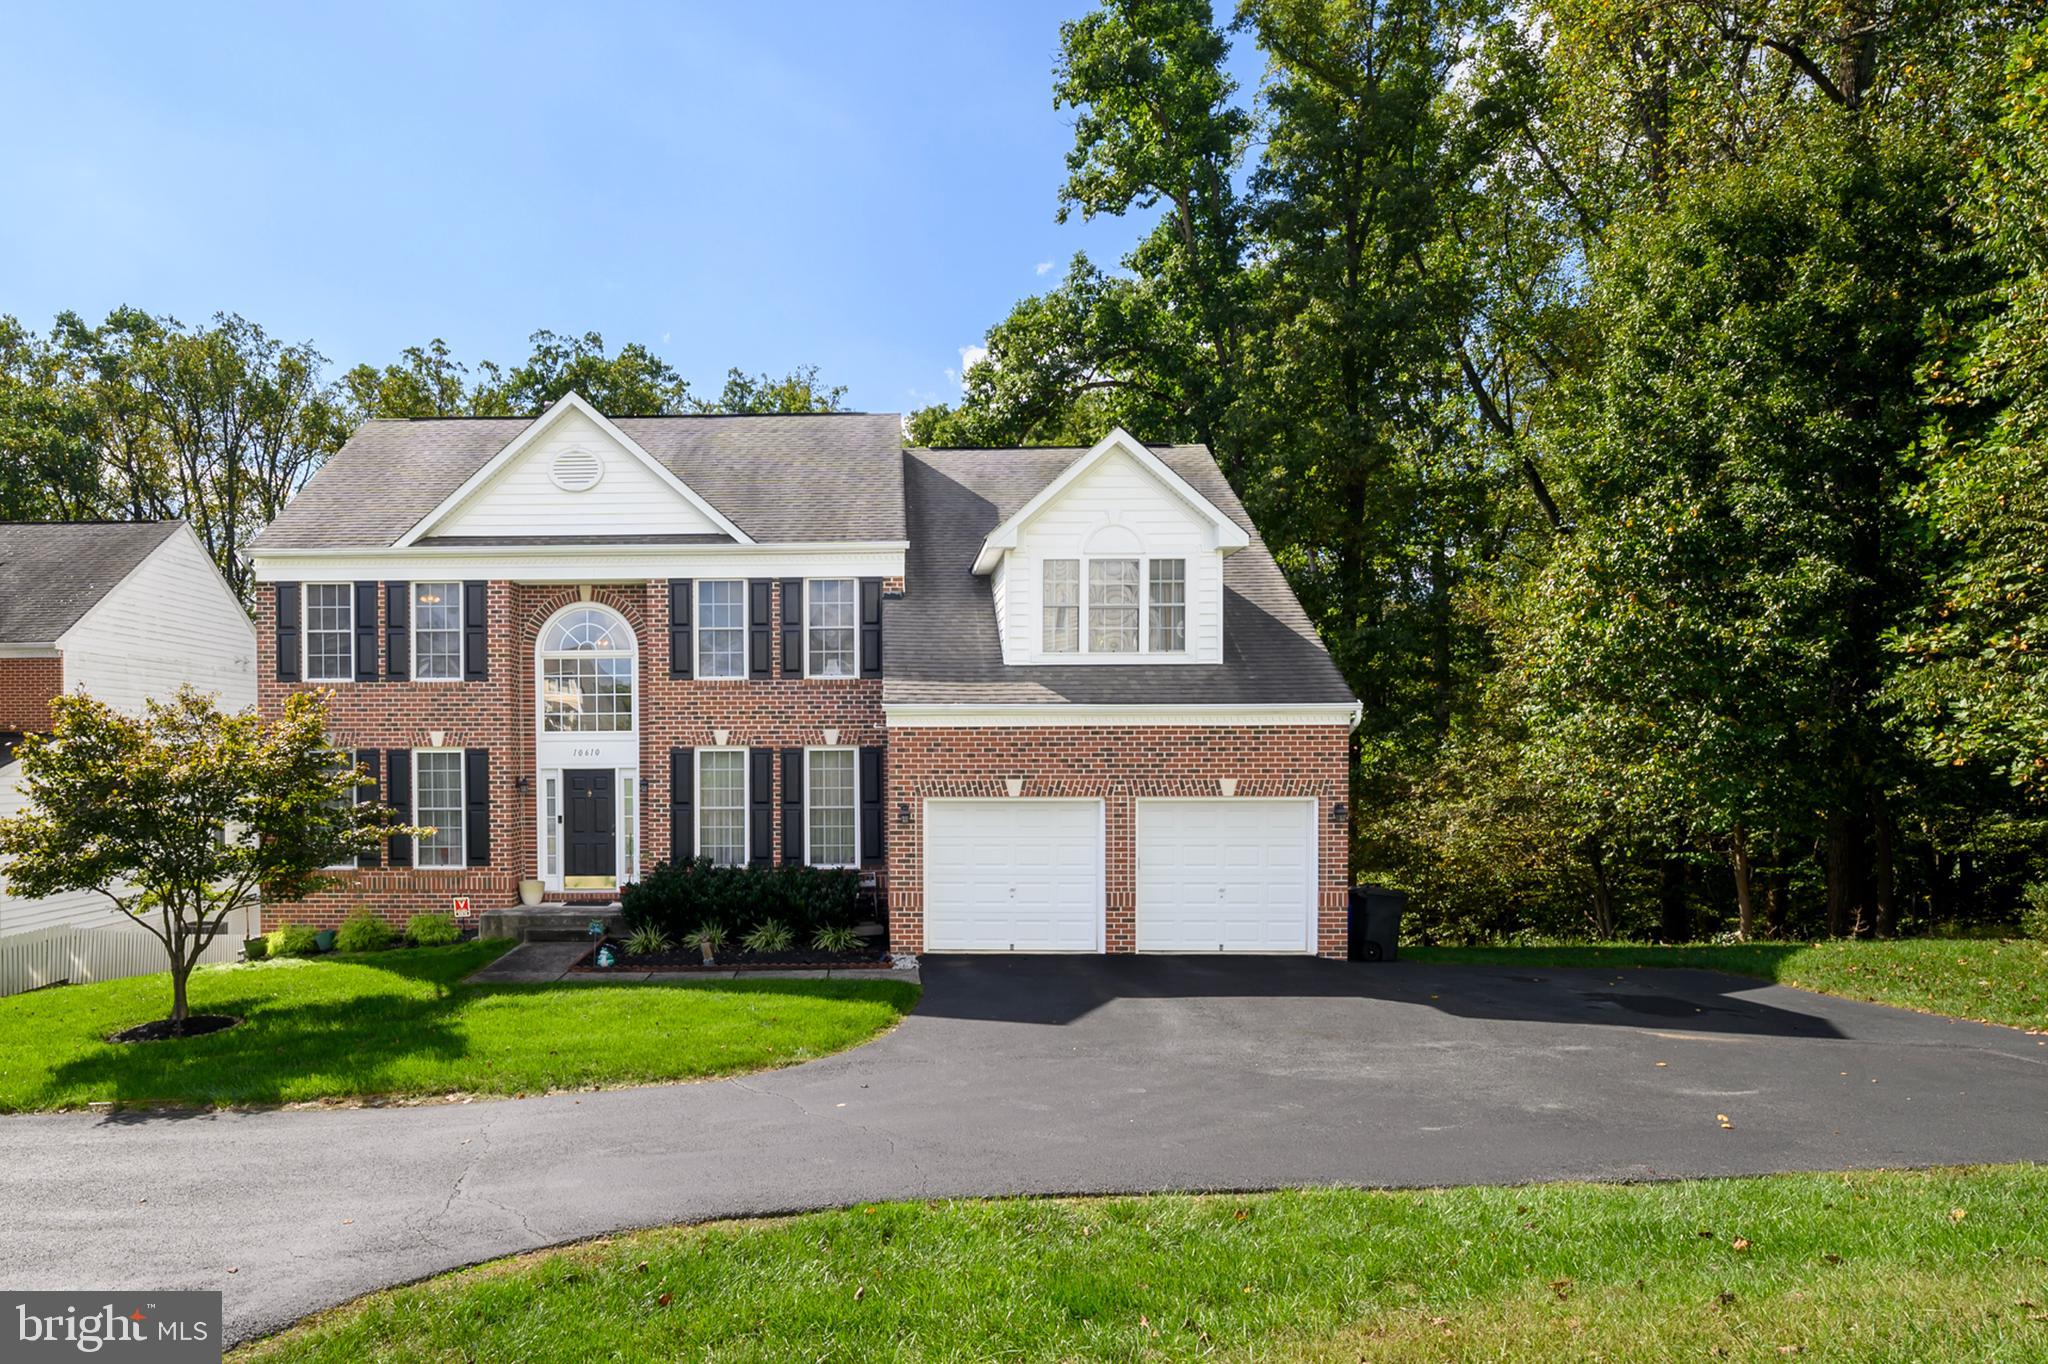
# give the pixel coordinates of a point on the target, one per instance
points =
(1039, 1075)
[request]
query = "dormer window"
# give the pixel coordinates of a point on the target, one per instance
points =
(1115, 606)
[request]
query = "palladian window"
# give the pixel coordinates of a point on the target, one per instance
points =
(586, 661)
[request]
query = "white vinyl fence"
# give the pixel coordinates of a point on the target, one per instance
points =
(51, 956)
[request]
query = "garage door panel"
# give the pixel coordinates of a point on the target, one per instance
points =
(1003, 875)
(1229, 875)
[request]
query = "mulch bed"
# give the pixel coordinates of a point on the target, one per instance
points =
(163, 1030)
(687, 960)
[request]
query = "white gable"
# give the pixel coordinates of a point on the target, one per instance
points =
(573, 473)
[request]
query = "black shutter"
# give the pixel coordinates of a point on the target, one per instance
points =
(870, 627)
(792, 806)
(871, 803)
(476, 823)
(398, 788)
(476, 657)
(368, 793)
(287, 632)
(761, 803)
(792, 627)
(366, 632)
(679, 658)
(760, 625)
(397, 630)
(682, 789)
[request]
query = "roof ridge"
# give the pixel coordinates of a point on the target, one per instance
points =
(628, 417)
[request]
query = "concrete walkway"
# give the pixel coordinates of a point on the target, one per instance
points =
(1036, 1076)
(542, 963)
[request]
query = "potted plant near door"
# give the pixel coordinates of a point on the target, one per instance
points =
(530, 892)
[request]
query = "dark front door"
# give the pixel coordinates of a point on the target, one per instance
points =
(593, 828)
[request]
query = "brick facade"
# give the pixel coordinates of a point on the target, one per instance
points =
(500, 714)
(27, 686)
(1118, 765)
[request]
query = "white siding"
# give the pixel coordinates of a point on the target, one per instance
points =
(24, 916)
(30, 961)
(999, 588)
(171, 621)
(522, 499)
(1117, 495)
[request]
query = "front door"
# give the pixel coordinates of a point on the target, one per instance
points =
(592, 843)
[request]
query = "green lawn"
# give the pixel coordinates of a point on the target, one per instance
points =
(1986, 979)
(1929, 1266)
(398, 1023)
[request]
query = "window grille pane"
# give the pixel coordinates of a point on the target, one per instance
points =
(1113, 606)
(833, 611)
(721, 629)
(722, 806)
(330, 632)
(629, 820)
(437, 802)
(437, 631)
(553, 822)
(1062, 606)
(1167, 631)
(830, 789)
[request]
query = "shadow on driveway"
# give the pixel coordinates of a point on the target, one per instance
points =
(1057, 990)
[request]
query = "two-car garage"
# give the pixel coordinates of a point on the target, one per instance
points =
(1032, 874)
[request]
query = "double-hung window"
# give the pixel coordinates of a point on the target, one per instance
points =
(1113, 606)
(1062, 606)
(1122, 594)
(437, 632)
(722, 629)
(330, 632)
(722, 805)
(832, 816)
(345, 761)
(832, 620)
(1167, 608)
(438, 803)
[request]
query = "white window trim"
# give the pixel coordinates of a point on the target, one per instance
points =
(628, 826)
(810, 786)
(853, 676)
(551, 826)
(697, 623)
(1144, 651)
(412, 614)
(746, 799)
(461, 808)
(306, 633)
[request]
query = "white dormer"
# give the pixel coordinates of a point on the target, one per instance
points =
(573, 472)
(1119, 560)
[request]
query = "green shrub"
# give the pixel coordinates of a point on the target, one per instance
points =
(362, 931)
(647, 941)
(431, 930)
(292, 940)
(708, 938)
(2034, 911)
(771, 936)
(839, 938)
(681, 898)
(255, 949)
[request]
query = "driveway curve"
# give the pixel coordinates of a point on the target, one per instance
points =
(1038, 1076)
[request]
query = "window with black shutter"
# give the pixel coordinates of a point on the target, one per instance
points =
(760, 626)
(871, 803)
(477, 817)
(679, 651)
(792, 627)
(368, 792)
(476, 656)
(792, 806)
(682, 815)
(366, 632)
(397, 625)
(761, 812)
(870, 627)
(287, 632)
(398, 795)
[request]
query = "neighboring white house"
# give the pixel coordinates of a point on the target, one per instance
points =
(125, 612)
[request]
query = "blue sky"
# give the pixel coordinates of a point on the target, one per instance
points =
(862, 187)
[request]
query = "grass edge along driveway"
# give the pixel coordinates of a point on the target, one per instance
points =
(1985, 980)
(400, 1024)
(1935, 1265)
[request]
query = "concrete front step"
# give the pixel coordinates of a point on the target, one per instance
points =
(550, 922)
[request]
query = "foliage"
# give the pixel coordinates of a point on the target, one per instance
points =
(363, 931)
(407, 1024)
(837, 939)
(681, 898)
(708, 938)
(432, 930)
(178, 817)
(648, 940)
(768, 936)
(2034, 911)
(292, 940)
(1863, 1267)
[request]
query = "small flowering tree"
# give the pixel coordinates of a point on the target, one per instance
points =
(179, 816)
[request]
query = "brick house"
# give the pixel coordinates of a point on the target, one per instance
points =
(1051, 699)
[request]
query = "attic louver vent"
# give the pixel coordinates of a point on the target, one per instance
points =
(576, 471)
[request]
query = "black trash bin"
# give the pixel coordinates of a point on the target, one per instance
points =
(1376, 922)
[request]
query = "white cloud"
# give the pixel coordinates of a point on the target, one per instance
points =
(970, 356)
(1043, 267)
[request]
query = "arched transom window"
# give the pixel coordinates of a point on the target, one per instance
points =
(586, 673)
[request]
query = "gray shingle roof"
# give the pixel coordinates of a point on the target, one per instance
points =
(781, 479)
(53, 573)
(941, 641)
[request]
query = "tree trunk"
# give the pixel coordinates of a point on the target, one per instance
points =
(1603, 892)
(1745, 903)
(1673, 910)
(1885, 890)
(1776, 891)
(1840, 850)
(179, 1009)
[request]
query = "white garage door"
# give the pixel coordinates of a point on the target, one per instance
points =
(1226, 875)
(1013, 876)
